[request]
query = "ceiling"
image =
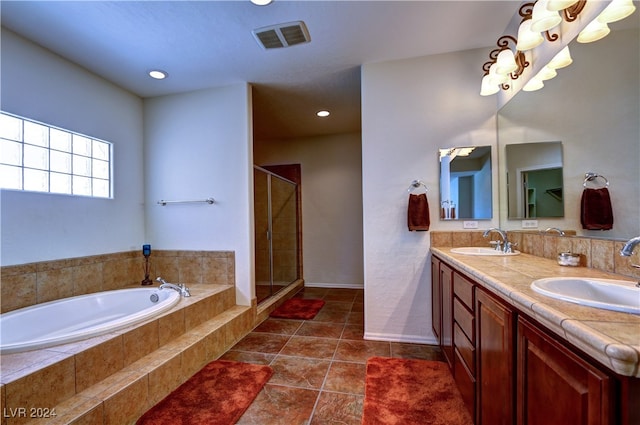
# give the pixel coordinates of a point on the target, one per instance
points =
(203, 44)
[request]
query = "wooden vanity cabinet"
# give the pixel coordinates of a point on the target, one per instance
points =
(495, 359)
(511, 370)
(555, 386)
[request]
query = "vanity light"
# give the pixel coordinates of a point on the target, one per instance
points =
(528, 39)
(562, 59)
(544, 19)
(261, 2)
(158, 75)
(486, 88)
(323, 113)
(593, 32)
(617, 10)
(533, 84)
(546, 73)
(506, 62)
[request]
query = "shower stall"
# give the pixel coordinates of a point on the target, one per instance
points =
(277, 236)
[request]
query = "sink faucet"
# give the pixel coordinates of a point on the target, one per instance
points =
(182, 290)
(506, 245)
(554, 229)
(627, 249)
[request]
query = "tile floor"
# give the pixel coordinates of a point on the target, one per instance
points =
(319, 364)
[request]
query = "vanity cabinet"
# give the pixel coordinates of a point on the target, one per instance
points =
(555, 385)
(496, 360)
(511, 370)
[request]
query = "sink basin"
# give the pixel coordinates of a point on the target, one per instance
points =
(474, 250)
(617, 295)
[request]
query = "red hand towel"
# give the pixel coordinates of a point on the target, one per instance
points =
(596, 212)
(418, 212)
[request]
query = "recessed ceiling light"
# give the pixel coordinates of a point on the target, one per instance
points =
(158, 75)
(261, 2)
(323, 113)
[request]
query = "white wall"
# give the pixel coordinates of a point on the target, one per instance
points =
(410, 108)
(331, 169)
(35, 226)
(197, 145)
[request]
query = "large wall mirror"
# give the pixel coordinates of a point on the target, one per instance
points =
(465, 183)
(534, 180)
(592, 107)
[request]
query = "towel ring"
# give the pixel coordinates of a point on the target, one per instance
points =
(416, 184)
(591, 176)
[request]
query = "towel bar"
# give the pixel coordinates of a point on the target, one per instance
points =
(591, 176)
(208, 201)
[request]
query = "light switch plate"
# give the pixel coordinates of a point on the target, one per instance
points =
(469, 224)
(529, 224)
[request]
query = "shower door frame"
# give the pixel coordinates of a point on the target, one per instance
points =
(290, 173)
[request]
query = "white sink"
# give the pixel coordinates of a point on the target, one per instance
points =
(617, 295)
(474, 250)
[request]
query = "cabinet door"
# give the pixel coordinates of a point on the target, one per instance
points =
(436, 298)
(495, 361)
(446, 335)
(557, 387)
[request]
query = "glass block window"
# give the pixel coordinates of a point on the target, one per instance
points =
(40, 158)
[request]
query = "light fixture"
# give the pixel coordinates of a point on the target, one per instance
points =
(528, 39)
(546, 73)
(323, 113)
(562, 59)
(506, 62)
(616, 10)
(158, 74)
(533, 85)
(261, 2)
(595, 31)
(486, 88)
(543, 19)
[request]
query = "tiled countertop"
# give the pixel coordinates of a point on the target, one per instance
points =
(612, 338)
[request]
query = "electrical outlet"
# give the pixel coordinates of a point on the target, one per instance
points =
(529, 224)
(469, 224)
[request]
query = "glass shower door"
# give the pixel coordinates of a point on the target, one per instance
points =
(276, 233)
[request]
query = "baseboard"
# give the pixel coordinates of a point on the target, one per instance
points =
(410, 339)
(334, 285)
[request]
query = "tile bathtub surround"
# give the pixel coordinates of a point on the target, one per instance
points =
(29, 284)
(600, 254)
(99, 377)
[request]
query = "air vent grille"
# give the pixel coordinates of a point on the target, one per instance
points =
(282, 35)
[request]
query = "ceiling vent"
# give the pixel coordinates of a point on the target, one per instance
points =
(282, 35)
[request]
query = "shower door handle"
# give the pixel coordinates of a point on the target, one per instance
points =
(268, 235)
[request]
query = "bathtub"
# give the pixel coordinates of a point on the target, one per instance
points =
(76, 318)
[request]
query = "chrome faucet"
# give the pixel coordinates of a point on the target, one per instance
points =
(628, 247)
(504, 245)
(182, 290)
(554, 229)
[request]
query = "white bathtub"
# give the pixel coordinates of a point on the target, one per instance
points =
(76, 318)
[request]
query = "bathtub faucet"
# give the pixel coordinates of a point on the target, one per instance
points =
(182, 290)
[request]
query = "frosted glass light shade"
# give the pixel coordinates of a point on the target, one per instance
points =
(496, 79)
(593, 32)
(543, 19)
(546, 73)
(487, 89)
(562, 59)
(506, 62)
(528, 39)
(617, 10)
(560, 4)
(533, 85)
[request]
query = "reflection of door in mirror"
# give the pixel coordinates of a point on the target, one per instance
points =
(465, 183)
(534, 180)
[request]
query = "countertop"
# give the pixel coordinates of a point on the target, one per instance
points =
(611, 338)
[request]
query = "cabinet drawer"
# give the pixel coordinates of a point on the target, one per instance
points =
(463, 289)
(465, 348)
(464, 318)
(466, 383)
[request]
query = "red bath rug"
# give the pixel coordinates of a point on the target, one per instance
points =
(217, 395)
(298, 308)
(411, 392)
